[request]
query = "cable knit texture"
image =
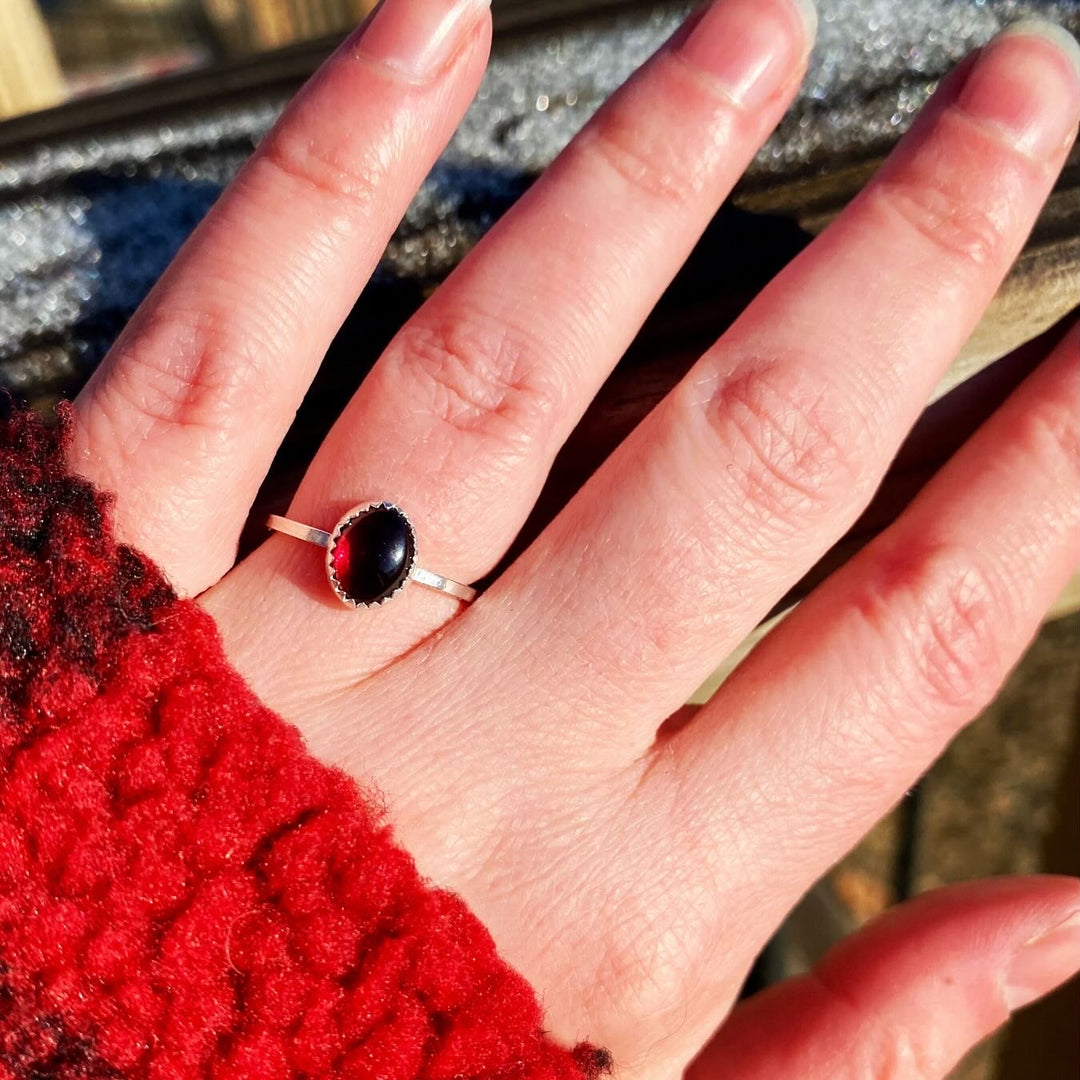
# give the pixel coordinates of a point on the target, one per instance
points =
(184, 890)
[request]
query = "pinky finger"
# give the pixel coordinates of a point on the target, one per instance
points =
(908, 996)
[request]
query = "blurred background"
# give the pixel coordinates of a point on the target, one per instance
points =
(58, 49)
(121, 120)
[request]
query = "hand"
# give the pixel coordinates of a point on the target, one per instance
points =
(632, 872)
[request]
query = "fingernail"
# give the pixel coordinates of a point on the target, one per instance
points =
(418, 37)
(1045, 962)
(752, 48)
(1027, 83)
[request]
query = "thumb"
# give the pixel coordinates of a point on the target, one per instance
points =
(910, 994)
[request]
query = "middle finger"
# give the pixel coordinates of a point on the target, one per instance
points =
(770, 448)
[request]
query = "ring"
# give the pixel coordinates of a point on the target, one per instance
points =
(371, 555)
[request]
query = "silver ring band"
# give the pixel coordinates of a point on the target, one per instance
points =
(333, 543)
(442, 584)
(289, 527)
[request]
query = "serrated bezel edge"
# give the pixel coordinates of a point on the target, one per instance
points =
(335, 535)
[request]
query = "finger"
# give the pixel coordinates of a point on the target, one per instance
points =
(185, 414)
(837, 712)
(460, 419)
(753, 466)
(909, 995)
(817, 734)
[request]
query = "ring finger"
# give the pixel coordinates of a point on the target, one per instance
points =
(770, 448)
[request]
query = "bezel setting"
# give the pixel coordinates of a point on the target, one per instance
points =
(348, 519)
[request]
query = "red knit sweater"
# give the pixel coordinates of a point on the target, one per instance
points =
(184, 890)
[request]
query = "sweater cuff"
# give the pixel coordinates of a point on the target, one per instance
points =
(184, 890)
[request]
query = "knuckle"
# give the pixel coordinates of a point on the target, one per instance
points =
(938, 209)
(183, 370)
(332, 173)
(651, 958)
(1051, 432)
(650, 157)
(885, 1052)
(789, 450)
(944, 610)
(899, 1053)
(484, 379)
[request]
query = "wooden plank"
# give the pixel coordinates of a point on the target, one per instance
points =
(30, 77)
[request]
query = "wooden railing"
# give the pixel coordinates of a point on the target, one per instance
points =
(30, 77)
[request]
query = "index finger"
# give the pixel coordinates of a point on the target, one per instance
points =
(185, 414)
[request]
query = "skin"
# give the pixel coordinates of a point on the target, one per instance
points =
(633, 874)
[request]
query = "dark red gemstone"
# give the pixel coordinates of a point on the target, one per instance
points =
(373, 554)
